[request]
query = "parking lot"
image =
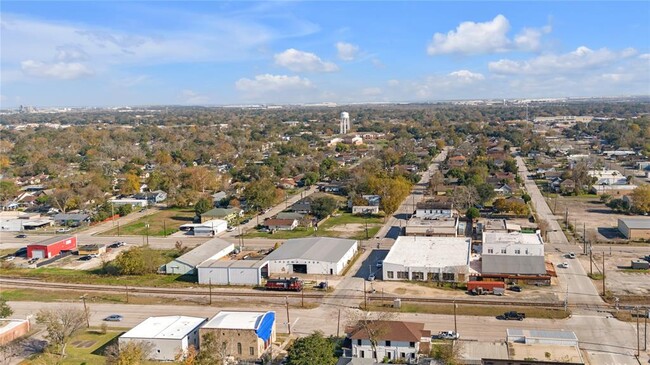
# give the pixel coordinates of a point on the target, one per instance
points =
(621, 279)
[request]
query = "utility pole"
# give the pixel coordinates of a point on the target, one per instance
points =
(210, 290)
(591, 260)
(302, 299)
(584, 233)
(126, 290)
(645, 330)
(288, 320)
(164, 229)
(83, 297)
(638, 333)
(365, 298)
(604, 275)
(566, 218)
(455, 323)
(338, 323)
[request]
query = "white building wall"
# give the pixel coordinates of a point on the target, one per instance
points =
(163, 349)
(396, 349)
(229, 276)
(283, 267)
(425, 270)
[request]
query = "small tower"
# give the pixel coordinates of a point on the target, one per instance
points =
(345, 123)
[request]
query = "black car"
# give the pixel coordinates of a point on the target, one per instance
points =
(245, 221)
(85, 258)
(21, 251)
(22, 235)
(515, 288)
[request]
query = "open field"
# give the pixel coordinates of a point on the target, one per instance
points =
(344, 225)
(620, 279)
(162, 223)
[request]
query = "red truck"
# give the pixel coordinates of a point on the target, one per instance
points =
(290, 284)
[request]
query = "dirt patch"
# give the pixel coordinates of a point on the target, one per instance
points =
(621, 280)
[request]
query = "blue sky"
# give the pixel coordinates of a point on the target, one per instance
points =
(213, 53)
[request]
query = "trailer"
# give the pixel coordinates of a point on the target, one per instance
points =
(486, 287)
(290, 284)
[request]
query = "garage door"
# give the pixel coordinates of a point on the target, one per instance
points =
(300, 268)
(38, 254)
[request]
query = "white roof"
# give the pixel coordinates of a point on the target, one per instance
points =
(531, 243)
(166, 327)
(417, 251)
(236, 320)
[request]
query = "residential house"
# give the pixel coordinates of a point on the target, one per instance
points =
(395, 340)
(431, 209)
(287, 183)
(503, 190)
(281, 224)
(457, 161)
(71, 219)
(567, 186)
(302, 206)
(154, 197)
(365, 209)
(226, 214)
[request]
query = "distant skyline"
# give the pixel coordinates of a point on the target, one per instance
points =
(82, 53)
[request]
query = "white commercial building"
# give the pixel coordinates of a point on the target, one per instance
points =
(132, 202)
(187, 263)
(168, 335)
(314, 255)
(233, 272)
(428, 259)
(208, 228)
(608, 177)
(513, 253)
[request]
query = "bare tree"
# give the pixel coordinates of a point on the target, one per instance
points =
(61, 325)
(374, 325)
(10, 350)
(464, 197)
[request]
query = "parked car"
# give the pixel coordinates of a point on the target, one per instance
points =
(21, 251)
(571, 255)
(230, 229)
(117, 244)
(245, 221)
(85, 258)
(446, 335)
(63, 230)
(512, 315)
(371, 277)
(564, 265)
(515, 288)
(32, 261)
(22, 235)
(10, 258)
(113, 318)
(380, 263)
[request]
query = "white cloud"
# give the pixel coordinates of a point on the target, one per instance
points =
(268, 82)
(467, 76)
(299, 61)
(393, 82)
(58, 70)
(471, 38)
(69, 53)
(347, 51)
(580, 59)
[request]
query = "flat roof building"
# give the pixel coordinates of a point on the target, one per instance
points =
(428, 259)
(442, 226)
(513, 253)
(169, 335)
(313, 255)
(233, 272)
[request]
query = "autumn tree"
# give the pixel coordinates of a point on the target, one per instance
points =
(313, 349)
(372, 325)
(391, 190)
(63, 199)
(136, 261)
(436, 181)
(323, 206)
(131, 353)
(202, 205)
(8, 190)
(214, 349)
(61, 325)
(130, 185)
(641, 199)
(464, 197)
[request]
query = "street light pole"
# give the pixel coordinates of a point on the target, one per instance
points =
(83, 297)
(455, 322)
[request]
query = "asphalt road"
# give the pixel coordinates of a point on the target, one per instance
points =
(581, 289)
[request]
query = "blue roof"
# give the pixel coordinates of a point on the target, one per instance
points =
(264, 328)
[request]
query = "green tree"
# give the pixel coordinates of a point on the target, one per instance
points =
(5, 309)
(313, 349)
(136, 261)
(392, 191)
(8, 189)
(526, 198)
(641, 199)
(311, 178)
(260, 194)
(485, 192)
(323, 206)
(472, 213)
(124, 210)
(202, 205)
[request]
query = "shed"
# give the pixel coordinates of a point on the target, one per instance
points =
(168, 335)
(95, 249)
(314, 255)
(634, 228)
(213, 249)
(51, 247)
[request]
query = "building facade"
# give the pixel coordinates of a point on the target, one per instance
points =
(313, 255)
(51, 247)
(635, 228)
(513, 253)
(246, 335)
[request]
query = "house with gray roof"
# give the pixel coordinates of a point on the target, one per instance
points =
(312, 255)
(71, 219)
(213, 249)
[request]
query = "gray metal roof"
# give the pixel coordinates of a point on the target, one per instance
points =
(71, 217)
(233, 263)
(50, 241)
(203, 252)
(313, 248)
(636, 223)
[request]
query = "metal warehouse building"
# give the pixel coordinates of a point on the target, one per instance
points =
(169, 335)
(213, 249)
(51, 247)
(314, 255)
(235, 272)
(428, 259)
(541, 337)
(634, 228)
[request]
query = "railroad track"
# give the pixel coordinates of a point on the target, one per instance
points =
(38, 284)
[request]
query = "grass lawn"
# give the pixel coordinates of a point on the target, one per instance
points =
(348, 218)
(329, 229)
(162, 223)
(299, 232)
